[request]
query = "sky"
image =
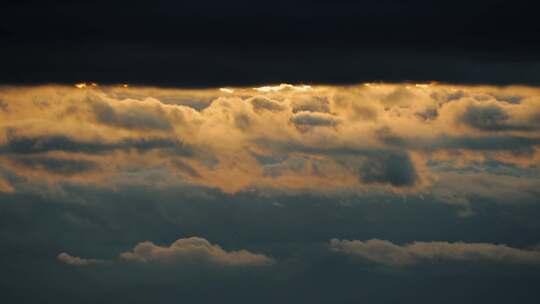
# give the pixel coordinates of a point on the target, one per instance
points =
(208, 43)
(376, 192)
(269, 152)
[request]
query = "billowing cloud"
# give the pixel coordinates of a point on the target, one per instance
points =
(68, 259)
(133, 116)
(263, 103)
(385, 252)
(396, 169)
(288, 138)
(194, 250)
(314, 119)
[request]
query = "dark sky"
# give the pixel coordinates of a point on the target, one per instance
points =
(214, 43)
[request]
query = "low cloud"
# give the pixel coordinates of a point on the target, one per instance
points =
(396, 169)
(194, 250)
(132, 117)
(263, 103)
(388, 253)
(314, 119)
(68, 259)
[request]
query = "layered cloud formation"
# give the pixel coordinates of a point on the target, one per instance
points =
(424, 139)
(388, 253)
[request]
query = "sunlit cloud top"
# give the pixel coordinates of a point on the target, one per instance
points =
(407, 139)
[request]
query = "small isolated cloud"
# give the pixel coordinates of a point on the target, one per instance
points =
(385, 252)
(68, 259)
(194, 250)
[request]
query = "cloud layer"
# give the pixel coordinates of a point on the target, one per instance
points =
(393, 138)
(385, 252)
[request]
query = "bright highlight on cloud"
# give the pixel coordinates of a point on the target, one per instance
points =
(68, 259)
(385, 252)
(194, 250)
(453, 143)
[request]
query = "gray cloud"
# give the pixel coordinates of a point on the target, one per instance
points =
(194, 250)
(396, 169)
(263, 103)
(385, 252)
(491, 118)
(41, 144)
(138, 118)
(57, 165)
(184, 167)
(311, 104)
(314, 119)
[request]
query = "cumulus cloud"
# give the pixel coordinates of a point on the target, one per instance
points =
(68, 259)
(385, 252)
(194, 250)
(359, 137)
(133, 117)
(263, 103)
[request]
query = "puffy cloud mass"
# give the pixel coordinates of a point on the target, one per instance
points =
(393, 138)
(194, 250)
(385, 252)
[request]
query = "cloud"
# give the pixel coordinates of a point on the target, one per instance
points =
(311, 104)
(360, 137)
(47, 143)
(263, 103)
(491, 118)
(310, 119)
(194, 250)
(388, 253)
(57, 165)
(133, 116)
(68, 259)
(396, 169)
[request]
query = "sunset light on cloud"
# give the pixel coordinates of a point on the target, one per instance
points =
(269, 152)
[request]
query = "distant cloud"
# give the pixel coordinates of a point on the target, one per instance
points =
(362, 138)
(314, 119)
(68, 259)
(148, 117)
(263, 103)
(396, 169)
(385, 252)
(194, 250)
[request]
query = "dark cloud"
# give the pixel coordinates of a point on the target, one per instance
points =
(184, 167)
(396, 169)
(491, 118)
(311, 119)
(41, 144)
(60, 166)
